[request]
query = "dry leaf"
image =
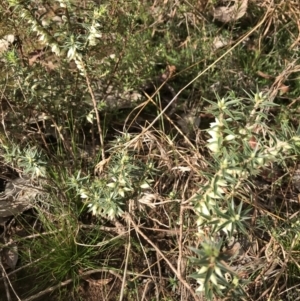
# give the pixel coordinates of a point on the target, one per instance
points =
(49, 66)
(182, 168)
(99, 282)
(148, 199)
(264, 75)
(227, 14)
(283, 89)
(100, 166)
(220, 42)
(170, 70)
(34, 56)
(252, 142)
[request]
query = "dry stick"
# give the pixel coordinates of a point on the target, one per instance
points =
(97, 115)
(182, 208)
(125, 268)
(148, 263)
(179, 264)
(24, 266)
(163, 256)
(141, 107)
(141, 274)
(150, 98)
(48, 290)
(78, 57)
(158, 259)
(42, 135)
(283, 268)
(146, 289)
(64, 283)
(65, 142)
(4, 276)
(199, 75)
(6, 280)
(103, 270)
(29, 237)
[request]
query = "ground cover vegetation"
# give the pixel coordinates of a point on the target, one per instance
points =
(149, 150)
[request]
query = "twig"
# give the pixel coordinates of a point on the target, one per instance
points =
(4, 277)
(24, 266)
(48, 290)
(102, 270)
(97, 115)
(164, 257)
(64, 283)
(146, 289)
(29, 237)
(125, 269)
(179, 263)
(4, 274)
(181, 212)
(6, 280)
